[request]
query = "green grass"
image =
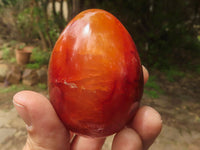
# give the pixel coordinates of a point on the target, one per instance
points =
(198, 69)
(20, 87)
(12, 88)
(13, 60)
(152, 89)
(152, 93)
(198, 37)
(173, 74)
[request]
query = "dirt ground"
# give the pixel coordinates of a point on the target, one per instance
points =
(179, 107)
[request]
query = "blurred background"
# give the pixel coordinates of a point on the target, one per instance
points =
(167, 36)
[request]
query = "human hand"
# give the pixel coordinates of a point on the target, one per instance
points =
(46, 131)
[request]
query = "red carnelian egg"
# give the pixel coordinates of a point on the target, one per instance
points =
(95, 75)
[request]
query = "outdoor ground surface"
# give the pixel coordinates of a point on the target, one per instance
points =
(179, 106)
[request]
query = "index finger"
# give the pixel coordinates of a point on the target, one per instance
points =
(145, 74)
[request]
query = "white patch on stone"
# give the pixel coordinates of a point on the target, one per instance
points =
(71, 85)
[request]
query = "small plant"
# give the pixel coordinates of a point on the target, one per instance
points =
(6, 53)
(13, 42)
(42, 86)
(33, 66)
(7, 50)
(20, 46)
(40, 56)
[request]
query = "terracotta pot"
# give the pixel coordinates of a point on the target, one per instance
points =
(23, 55)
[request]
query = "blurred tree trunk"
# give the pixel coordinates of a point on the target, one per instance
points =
(54, 7)
(58, 17)
(44, 8)
(44, 40)
(73, 8)
(61, 9)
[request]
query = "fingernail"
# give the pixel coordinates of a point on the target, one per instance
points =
(23, 112)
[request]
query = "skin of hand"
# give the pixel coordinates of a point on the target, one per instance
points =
(46, 131)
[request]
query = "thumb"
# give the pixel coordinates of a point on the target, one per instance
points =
(45, 130)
